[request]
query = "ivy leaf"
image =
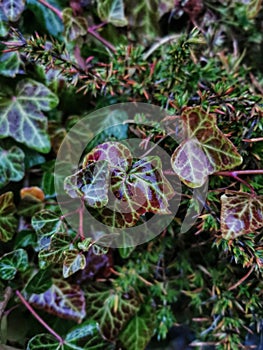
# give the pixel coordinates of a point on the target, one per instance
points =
(40, 282)
(21, 116)
(143, 188)
(73, 262)
(44, 341)
(204, 150)
(12, 262)
(3, 23)
(137, 334)
(10, 63)
(74, 26)
(90, 183)
(48, 19)
(8, 222)
(241, 213)
(13, 9)
(135, 188)
(12, 166)
(46, 222)
(112, 11)
(55, 253)
(32, 194)
(111, 308)
(143, 16)
(62, 299)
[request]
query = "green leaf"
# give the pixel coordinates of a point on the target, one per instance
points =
(44, 341)
(241, 213)
(112, 11)
(62, 299)
(46, 223)
(12, 262)
(11, 165)
(60, 243)
(110, 308)
(3, 23)
(74, 26)
(8, 222)
(143, 16)
(40, 282)
(73, 262)
(10, 63)
(91, 184)
(13, 9)
(112, 127)
(137, 334)
(24, 239)
(21, 116)
(46, 17)
(81, 332)
(204, 150)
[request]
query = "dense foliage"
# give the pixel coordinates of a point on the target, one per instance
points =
(200, 62)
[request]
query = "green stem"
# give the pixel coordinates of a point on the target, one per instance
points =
(33, 312)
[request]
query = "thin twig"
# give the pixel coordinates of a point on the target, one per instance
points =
(33, 312)
(161, 42)
(242, 279)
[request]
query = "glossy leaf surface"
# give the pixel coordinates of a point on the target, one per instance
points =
(241, 213)
(135, 187)
(10, 63)
(21, 116)
(61, 299)
(8, 221)
(204, 150)
(12, 262)
(12, 166)
(91, 184)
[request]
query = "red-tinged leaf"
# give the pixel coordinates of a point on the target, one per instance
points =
(91, 184)
(241, 213)
(135, 188)
(63, 300)
(115, 153)
(143, 188)
(204, 150)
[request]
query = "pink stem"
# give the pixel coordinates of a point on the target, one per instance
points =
(33, 312)
(239, 172)
(52, 8)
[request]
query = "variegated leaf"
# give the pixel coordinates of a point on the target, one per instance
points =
(63, 300)
(241, 213)
(204, 148)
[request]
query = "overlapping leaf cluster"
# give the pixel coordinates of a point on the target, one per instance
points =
(199, 60)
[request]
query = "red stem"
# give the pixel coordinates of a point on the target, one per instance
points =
(33, 312)
(91, 30)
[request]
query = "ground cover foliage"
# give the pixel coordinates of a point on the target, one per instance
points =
(199, 61)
